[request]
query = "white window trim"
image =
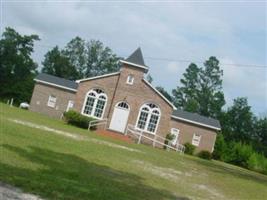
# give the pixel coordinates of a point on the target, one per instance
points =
(196, 137)
(94, 106)
(128, 79)
(176, 139)
(68, 106)
(50, 101)
(147, 121)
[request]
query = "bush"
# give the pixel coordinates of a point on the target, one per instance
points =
(240, 154)
(74, 118)
(258, 163)
(220, 148)
(205, 155)
(169, 137)
(189, 148)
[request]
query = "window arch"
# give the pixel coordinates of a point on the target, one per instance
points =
(123, 105)
(94, 103)
(148, 118)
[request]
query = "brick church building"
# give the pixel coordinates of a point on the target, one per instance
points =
(123, 98)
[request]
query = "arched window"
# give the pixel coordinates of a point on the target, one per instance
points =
(148, 119)
(94, 103)
(123, 105)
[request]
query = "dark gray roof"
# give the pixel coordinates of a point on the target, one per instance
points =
(57, 81)
(137, 58)
(196, 118)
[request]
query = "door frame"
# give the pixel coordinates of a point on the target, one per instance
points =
(117, 106)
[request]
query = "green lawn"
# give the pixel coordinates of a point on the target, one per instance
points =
(54, 166)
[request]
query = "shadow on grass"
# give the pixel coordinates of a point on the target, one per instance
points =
(66, 176)
(235, 171)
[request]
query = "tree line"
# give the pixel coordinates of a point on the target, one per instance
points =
(199, 90)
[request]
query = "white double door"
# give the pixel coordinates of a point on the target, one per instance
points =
(120, 117)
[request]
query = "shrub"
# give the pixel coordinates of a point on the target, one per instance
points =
(205, 155)
(74, 118)
(220, 148)
(189, 148)
(258, 163)
(240, 154)
(169, 137)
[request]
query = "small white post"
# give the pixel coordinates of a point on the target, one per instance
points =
(139, 140)
(154, 140)
(8, 102)
(11, 102)
(126, 131)
(89, 126)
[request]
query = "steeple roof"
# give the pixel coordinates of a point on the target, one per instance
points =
(136, 59)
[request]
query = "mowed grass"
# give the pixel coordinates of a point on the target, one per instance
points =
(59, 167)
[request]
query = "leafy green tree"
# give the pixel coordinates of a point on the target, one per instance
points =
(201, 89)
(186, 96)
(76, 52)
(149, 78)
(17, 68)
(55, 63)
(100, 59)
(237, 123)
(164, 93)
(260, 135)
(210, 96)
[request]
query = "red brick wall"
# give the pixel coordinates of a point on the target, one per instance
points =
(41, 94)
(187, 130)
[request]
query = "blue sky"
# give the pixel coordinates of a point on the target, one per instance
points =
(234, 32)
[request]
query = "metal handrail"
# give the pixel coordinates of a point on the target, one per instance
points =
(130, 128)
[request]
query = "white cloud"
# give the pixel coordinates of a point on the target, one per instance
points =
(177, 30)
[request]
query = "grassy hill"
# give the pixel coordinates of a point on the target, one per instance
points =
(56, 161)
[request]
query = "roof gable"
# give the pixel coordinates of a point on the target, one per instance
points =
(161, 95)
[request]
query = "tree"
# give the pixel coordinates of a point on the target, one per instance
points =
(55, 63)
(220, 148)
(164, 93)
(100, 59)
(149, 78)
(211, 97)
(186, 96)
(17, 68)
(76, 52)
(201, 89)
(237, 123)
(260, 137)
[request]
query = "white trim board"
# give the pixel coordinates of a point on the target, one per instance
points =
(96, 77)
(55, 85)
(161, 95)
(136, 65)
(197, 123)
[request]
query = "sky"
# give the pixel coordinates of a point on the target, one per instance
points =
(169, 33)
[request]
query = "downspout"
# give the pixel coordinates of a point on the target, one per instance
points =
(112, 100)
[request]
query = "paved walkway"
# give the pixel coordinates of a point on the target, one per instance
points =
(8, 192)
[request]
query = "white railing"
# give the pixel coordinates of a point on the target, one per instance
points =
(140, 134)
(98, 122)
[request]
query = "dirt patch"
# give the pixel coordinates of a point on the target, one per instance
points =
(72, 135)
(214, 194)
(8, 192)
(113, 135)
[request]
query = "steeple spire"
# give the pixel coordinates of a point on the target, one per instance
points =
(136, 59)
